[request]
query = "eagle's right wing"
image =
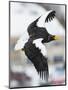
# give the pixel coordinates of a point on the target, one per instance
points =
(40, 21)
(50, 15)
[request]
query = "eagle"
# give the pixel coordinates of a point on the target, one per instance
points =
(33, 44)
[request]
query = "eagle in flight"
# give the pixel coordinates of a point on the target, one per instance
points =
(33, 44)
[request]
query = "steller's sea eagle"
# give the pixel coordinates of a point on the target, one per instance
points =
(33, 44)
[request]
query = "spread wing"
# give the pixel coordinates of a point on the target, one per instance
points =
(40, 22)
(37, 54)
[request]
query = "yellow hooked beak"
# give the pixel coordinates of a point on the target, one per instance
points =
(56, 37)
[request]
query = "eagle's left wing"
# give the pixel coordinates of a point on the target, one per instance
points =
(42, 66)
(37, 54)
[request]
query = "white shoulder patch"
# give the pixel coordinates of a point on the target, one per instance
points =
(38, 43)
(21, 42)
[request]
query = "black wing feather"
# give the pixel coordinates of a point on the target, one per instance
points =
(32, 27)
(39, 61)
(50, 16)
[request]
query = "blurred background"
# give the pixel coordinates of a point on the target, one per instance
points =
(22, 71)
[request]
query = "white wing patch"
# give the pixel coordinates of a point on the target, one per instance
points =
(38, 43)
(21, 42)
